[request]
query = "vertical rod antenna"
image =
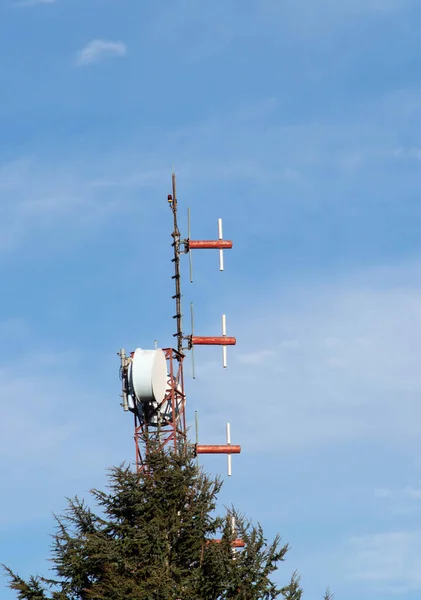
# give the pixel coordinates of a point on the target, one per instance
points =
(196, 422)
(176, 260)
(190, 254)
(122, 354)
(233, 533)
(221, 252)
(224, 348)
(192, 348)
(229, 457)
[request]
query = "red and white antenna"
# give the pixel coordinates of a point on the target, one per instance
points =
(219, 244)
(222, 340)
(202, 340)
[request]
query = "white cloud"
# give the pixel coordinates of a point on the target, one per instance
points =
(390, 562)
(50, 194)
(352, 374)
(28, 3)
(98, 50)
(383, 493)
(411, 492)
(399, 501)
(255, 358)
(43, 196)
(363, 6)
(47, 429)
(219, 23)
(305, 13)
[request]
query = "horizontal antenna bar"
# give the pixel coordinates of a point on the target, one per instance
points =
(197, 340)
(217, 449)
(234, 544)
(209, 244)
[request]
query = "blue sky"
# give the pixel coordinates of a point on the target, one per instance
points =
(296, 121)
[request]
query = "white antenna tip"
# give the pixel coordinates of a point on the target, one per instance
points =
(220, 229)
(224, 348)
(221, 252)
(229, 457)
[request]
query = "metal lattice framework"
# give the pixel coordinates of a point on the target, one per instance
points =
(172, 430)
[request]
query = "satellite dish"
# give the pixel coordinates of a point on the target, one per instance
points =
(147, 376)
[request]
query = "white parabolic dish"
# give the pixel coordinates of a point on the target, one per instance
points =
(149, 375)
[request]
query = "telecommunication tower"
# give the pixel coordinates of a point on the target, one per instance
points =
(153, 380)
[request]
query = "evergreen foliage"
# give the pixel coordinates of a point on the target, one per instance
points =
(151, 540)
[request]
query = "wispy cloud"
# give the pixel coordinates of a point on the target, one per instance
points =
(325, 14)
(382, 493)
(28, 3)
(408, 492)
(255, 358)
(46, 418)
(390, 562)
(48, 194)
(366, 385)
(404, 501)
(57, 194)
(98, 50)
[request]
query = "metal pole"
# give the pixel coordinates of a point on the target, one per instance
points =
(196, 420)
(229, 457)
(221, 252)
(176, 277)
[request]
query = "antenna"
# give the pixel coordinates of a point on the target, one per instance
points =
(229, 458)
(153, 380)
(189, 251)
(124, 396)
(219, 244)
(224, 334)
(176, 260)
(196, 423)
(227, 448)
(221, 252)
(192, 348)
(224, 341)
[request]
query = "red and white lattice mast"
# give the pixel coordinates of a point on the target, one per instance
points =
(153, 380)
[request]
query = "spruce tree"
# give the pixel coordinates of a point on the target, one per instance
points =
(152, 538)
